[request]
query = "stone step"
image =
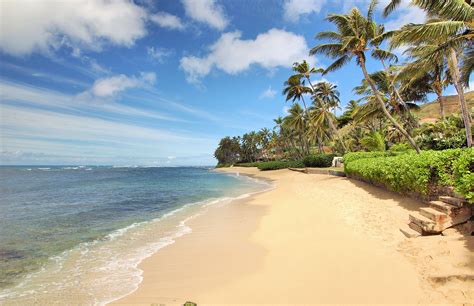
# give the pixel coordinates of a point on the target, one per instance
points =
(429, 226)
(443, 207)
(409, 232)
(453, 201)
(434, 214)
(449, 190)
(416, 228)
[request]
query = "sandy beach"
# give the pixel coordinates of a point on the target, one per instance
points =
(311, 239)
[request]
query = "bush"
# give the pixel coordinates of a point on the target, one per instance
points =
(349, 157)
(400, 147)
(410, 172)
(254, 164)
(318, 160)
(275, 165)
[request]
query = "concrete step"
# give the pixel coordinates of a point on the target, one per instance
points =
(434, 214)
(429, 226)
(453, 201)
(409, 232)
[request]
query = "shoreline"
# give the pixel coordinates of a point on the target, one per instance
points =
(346, 243)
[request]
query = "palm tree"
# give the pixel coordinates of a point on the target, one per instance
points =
(303, 69)
(296, 120)
(320, 116)
(433, 72)
(295, 89)
(453, 30)
(328, 94)
(355, 36)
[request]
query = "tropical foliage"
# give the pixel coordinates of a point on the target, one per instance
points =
(382, 118)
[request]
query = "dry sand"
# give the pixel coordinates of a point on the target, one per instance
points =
(312, 239)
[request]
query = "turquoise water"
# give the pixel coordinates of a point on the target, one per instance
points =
(64, 226)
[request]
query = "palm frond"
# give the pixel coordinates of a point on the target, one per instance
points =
(331, 50)
(458, 10)
(384, 55)
(390, 7)
(337, 64)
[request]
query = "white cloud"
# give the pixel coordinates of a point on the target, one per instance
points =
(268, 93)
(158, 54)
(167, 20)
(206, 11)
(293, 9)
(232, 54)
(111, 86)
(29, 26)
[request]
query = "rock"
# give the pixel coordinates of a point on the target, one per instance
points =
(464, 229)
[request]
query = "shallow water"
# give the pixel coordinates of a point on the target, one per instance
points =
(78, 233)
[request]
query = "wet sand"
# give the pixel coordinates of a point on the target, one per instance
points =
(312, 239)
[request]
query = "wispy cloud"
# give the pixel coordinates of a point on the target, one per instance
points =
(167, 20)
(293, 9)
(268, 93)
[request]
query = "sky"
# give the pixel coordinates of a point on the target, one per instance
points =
(155, 83)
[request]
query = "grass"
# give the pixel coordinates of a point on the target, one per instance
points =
(451, 106)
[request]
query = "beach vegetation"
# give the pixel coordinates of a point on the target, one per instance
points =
(421, 174)
(318, 160)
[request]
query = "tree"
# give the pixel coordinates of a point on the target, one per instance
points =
(355, 36)
(228, 151)
(295, 89)
(453, 30)
(325, 97)
(296, 120)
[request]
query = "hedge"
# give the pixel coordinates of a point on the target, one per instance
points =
(319, 160)
(275, 165)
(411, 172)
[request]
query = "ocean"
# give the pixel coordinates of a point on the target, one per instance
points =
(78, 233)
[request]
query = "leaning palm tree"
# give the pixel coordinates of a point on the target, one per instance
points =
(355, 36)
(320, 116)
(452, 27)
(433, 71)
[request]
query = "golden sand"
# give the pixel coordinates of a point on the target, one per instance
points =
(312, 239)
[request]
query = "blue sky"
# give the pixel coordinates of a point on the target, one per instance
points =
(153, 82)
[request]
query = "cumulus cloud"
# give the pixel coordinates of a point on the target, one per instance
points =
(232, 54)
(111, 86)
(268, 93)
(167, 20)
(293, 9)
(29, 26)
(206, 11)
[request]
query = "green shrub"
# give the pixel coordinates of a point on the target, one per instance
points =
(275, 165)
(223, 165)
(411, 172)
(400, 147)
(349, 157)
(254, 164)
(318, 160)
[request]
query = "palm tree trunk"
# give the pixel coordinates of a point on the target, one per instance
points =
(439, 93)
(457, 84)
(334, 130)
(384, 108)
